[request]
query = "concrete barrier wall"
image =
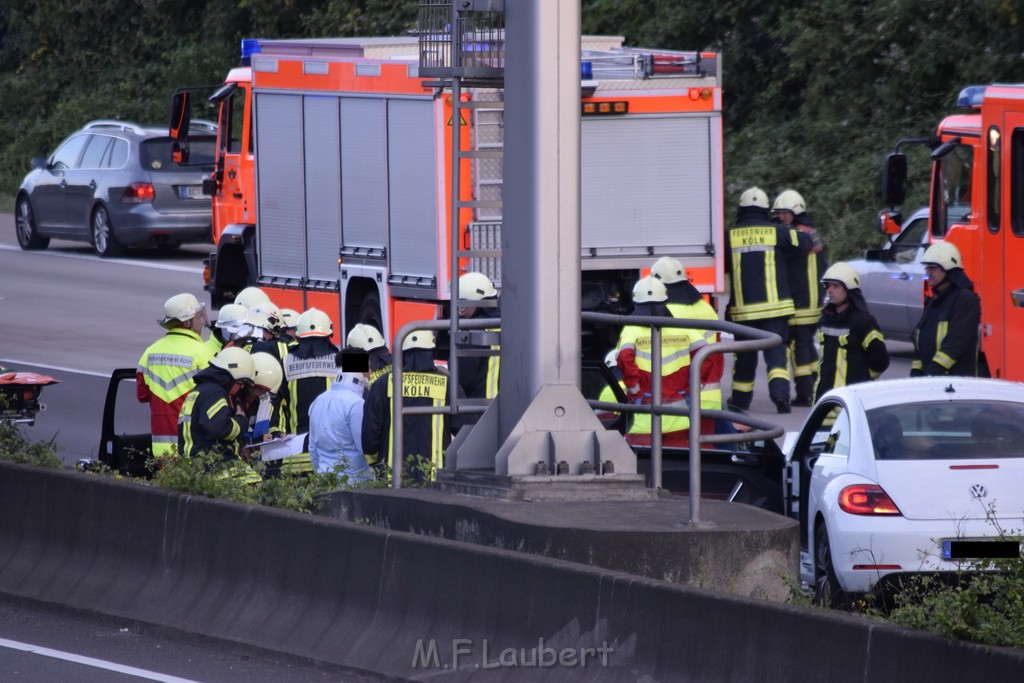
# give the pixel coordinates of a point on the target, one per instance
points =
(411, 607)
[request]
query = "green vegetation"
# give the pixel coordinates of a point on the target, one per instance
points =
(816, 92)
(16, 448)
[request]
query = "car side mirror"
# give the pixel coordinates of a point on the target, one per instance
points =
(878, 255)
(179, 153)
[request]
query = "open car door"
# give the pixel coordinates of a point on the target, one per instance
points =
(125, 438)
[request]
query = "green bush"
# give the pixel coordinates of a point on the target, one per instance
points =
(15, 448)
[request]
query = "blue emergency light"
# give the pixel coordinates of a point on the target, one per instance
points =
(971, 97)
(250, 47)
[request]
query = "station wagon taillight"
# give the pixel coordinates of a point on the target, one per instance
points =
(867, 499)
(138, 193)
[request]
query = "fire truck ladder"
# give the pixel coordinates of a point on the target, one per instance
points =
(462, 44)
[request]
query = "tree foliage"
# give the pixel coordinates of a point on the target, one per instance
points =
(815, 92)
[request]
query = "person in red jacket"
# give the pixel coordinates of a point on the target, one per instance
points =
(166, 369)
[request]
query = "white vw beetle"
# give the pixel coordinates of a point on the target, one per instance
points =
(907, 476)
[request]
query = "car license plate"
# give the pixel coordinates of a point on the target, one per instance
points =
(191, 192)
(957, 549)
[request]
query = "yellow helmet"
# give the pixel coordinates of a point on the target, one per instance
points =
(754, 196)
(365, 337)
(844, 274)
(648, 290)
(181, 308)
(237, 361)
(314, 323)
(476, 286)
(944, 255)
(267, 372)
(420, 339)
(669, 270)
(790, 200)
(250, 296)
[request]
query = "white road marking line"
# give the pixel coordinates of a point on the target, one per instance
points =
(13, 363)
(89, 661)
(126, 262)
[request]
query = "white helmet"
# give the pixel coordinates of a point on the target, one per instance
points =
(755, 196)
(476, 286)
(267, 372)
(843, 273)
(264, 315)
(181, 308)
(314, 323)
(237, 361)
(669, 270)
(790, 200)
(231, 315)
(648, 290)
(289, 318)
(250, 296)
(944, 255)
(420, 339)
(365, 337)
(611, 359)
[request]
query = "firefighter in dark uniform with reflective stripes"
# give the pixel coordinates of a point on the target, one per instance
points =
(213, 416)
(758, 251)
(368, 338)
(478, 375)
(852, 347)
(805, 271)
(425, 436)
(946, 338)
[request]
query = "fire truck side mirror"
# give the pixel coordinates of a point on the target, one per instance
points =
(894, 179)
(181, 115)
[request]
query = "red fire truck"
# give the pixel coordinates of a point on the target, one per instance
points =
(977, 203)
(333, 180)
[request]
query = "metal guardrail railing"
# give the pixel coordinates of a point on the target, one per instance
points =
(754, 340)
(750, 339)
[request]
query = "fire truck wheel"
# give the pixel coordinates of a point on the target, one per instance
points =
(103, 239)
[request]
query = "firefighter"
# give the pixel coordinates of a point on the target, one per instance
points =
(309, 368)
(336, 423)
(852, 347)
(757, 255)
(250, 296)
(289, 319)
(213, 416)
(167, 368)
(424, 436)
(805, 270)
(478, 375)
(267, 379)
(946, 338)
(636, 363)
(685, 301)
(269, 338)
(368, 338)
(229, 325)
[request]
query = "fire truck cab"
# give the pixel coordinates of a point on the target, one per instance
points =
(977, 203)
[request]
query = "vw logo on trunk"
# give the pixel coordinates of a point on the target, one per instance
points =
(978, 491)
